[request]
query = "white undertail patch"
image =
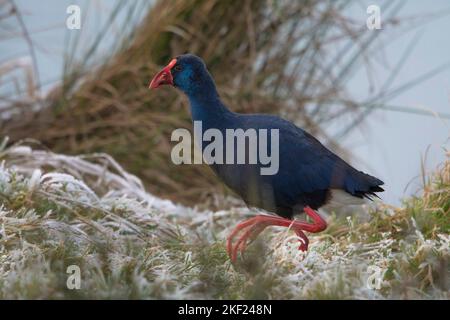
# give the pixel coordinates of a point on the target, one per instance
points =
(340, 198)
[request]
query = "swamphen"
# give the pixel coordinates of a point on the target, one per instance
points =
(309, 175)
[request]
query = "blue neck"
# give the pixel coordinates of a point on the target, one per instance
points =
(207, 107)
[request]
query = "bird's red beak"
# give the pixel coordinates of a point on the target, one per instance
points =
(164, 76)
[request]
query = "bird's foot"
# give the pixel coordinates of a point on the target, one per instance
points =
(248, 236)
(241, 226)
(254, 226)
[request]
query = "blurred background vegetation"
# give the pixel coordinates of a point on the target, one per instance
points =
(297, 59)
(293, 58)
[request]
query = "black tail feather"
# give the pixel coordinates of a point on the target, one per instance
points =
(368, 186)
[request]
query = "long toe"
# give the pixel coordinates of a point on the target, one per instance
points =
(241, 226)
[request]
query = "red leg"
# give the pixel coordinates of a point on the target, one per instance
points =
(257, 224)
(319, 223)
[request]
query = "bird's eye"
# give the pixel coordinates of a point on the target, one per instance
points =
(177, 67)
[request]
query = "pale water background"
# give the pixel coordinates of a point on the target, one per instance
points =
(389, 145)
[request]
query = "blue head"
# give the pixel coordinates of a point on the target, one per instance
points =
(188, 73)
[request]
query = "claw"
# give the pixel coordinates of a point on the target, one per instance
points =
(303, 240)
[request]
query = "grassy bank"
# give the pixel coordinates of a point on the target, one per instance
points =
(59, 210)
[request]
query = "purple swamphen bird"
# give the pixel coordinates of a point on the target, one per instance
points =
(309, 175)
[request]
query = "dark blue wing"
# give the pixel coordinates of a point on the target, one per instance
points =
(306, 166)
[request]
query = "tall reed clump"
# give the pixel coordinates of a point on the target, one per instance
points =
(292, 58)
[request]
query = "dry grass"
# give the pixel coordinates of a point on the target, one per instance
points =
(60, 210)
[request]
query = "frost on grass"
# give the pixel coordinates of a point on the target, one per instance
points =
(58, 210)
